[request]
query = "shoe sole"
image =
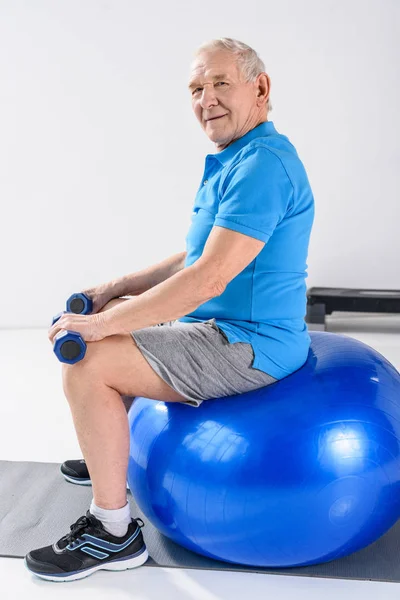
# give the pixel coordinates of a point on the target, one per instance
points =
(117, 565)
(82, 481)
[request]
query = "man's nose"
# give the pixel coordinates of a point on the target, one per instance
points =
(208, 97)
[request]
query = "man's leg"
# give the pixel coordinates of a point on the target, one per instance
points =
(127, 400)
(113, 369)
(102, 428)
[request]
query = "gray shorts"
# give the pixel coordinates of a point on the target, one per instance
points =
(197, 360)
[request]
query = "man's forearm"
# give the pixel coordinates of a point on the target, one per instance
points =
(175, 297)
(141, 281)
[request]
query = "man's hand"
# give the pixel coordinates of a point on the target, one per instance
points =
(100, 296)
(92, 328)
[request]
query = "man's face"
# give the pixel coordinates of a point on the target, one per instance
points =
(217, 88)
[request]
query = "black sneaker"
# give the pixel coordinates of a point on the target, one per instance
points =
(76, 471)
(89, 548)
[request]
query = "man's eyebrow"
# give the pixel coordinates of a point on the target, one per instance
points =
(222, 76)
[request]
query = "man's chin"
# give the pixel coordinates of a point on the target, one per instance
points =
(215, 137)
(215, 140)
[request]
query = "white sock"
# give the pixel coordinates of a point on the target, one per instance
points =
(115, 521)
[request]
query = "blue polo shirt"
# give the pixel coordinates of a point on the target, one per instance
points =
(258, 186)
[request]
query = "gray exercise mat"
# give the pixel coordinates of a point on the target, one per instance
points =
(37, 507)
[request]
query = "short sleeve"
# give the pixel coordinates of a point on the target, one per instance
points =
(255, 194)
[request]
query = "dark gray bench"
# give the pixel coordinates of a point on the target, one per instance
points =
(324, 301)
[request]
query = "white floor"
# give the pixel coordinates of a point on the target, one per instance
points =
(36, 425)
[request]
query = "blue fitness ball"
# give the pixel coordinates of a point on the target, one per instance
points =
(300, 472)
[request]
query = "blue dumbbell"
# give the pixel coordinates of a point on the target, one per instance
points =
(69, 346)
(79, 304)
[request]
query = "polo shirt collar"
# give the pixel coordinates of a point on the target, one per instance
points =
(226, 155)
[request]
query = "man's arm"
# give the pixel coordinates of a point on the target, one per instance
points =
(175, 297)
(141, 281)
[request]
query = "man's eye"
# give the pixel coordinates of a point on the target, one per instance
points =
(194, 91)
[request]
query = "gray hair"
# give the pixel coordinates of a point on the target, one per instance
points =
(248, 61)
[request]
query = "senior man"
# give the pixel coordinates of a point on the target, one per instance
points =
(236, 299)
